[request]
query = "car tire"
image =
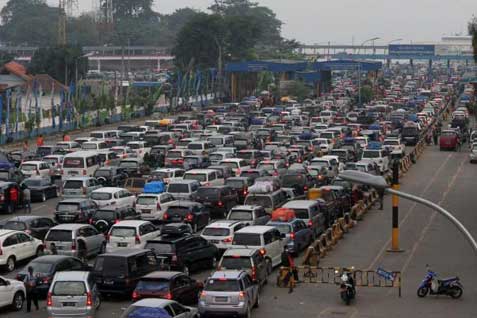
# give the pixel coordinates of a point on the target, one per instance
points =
(257, 303)
(269, 266)
(43, 196)
(10, 266)
(102, 249)
(18, 300)
(97, 304)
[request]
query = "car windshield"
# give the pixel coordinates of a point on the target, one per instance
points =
(216, 231)
(69, 288)
(178, 188)
(73, 163)
(40, 267)
(59, 236)
(128, 164)
(105, 214)
(153, 285)
(222, 285)
(261, 200)
(201, 177)
(146, 200)
(248, 239)
(123, 231)
(15, 225)
(159, 247)
(101, 196)
(284, 228)
(240, 215)
(208, 192)
(33, 182)
(73, 184)
(371, 154)
(28, 167)
(236, 184)
(290, 180)
(235, 262)
(67, 207)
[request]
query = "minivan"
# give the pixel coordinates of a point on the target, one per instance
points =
(80, 163)
(183, 189)
(118, 272)
(80, 187)
(204, 176)
(269, 201)
(73, 294)
(309, 212)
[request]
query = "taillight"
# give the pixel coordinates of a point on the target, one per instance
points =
(46, 280)
(84, 172)
(28, 232)
(174, 258)
(170, 141)
(202, 294)
(254, 273)
(168, 296)
(84, 190)
(89, 299)
(135, 295)
(116, 221)
(227, 240)
(49, 300)
(158, 206)
(2, 197)
(305, 188)
(1, 251)
(242, 296)
(137, 239)
(37, 172)
(189, 217)
(165, 216)
(275, 173)
(107, 237)
(292, 235)
(62, 171)
(220, 203)
(90, 221)
(310, 223)
(73, 246)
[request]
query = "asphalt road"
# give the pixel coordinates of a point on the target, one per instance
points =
(446, 178)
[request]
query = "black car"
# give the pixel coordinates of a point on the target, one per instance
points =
(75, 210)
(8, 203)
(168, 285)
(103, 219)
(178, 229)
(110, 176)
(219, 199)
(45, 268)
(10, 173)
(183, 253)
(36, 226)
(194, 213)
(298, 180)
(240, 185)
(17, 157)
(41, 189)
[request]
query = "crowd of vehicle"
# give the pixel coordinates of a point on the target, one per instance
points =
(228, 189)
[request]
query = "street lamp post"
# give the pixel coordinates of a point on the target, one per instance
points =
(380, 184)
(392, 41)
(359, 67)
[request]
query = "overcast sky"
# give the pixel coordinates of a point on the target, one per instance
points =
(339, 21)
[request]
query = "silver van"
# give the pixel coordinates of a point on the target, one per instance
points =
(75, 240)
(269, 201)
(309, 211)
(73, 294)
(80, 187)
(183, 189)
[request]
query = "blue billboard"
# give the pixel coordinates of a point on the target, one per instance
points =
(412, 49)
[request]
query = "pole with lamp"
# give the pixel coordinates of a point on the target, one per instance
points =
(380, 184)
(389, 43)
(359, 67)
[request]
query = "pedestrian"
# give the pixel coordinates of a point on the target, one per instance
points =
(39, 141)
(30, 286)
(27, 199)
(289, 262)
(435, 136)
(25, 145)
(66, 137)
(14, 195)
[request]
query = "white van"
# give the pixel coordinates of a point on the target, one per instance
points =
(80, 163)
(94, 145)
(204, 176)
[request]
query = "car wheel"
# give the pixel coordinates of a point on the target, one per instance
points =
(269, 266)
(18, 300)
(102, 249)
(257, 303)
(10, 264)
(43, 197)
(97, 303)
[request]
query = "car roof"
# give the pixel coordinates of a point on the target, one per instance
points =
(222, 224)
(108, 189)
(299, 204)
(51, 258)
(240, 251)
(186, 181)
(23, 218)
(74, 200)
(163, 274)
(246, 207)
(153, 302)
(78, 179)
(68, 226)
(229, 274)
(131, 223)
(4, 232)
(126, 252)
(256, 229)
(71, 275)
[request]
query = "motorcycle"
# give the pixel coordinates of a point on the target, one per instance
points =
(433, 286)
(347, 287)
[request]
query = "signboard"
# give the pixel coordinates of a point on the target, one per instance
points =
(385, 274)
(412, 49)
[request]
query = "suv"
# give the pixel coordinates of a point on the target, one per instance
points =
(110, 176)
(152, 206)
(13, 293)
(119, 272)
(296, 234)
(251, 260)
(75, 240)
(229, 293)
(130, 234)
(73, 294)
(379, 157)
(183, 189)
(80, 187)
(219, 199)
(221, 233)
(239, 184)
(183, 253)
(196, 214)
(103, 219)
(249, 214)
(75, 210)
(16, 246)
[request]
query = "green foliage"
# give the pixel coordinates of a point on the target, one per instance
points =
(82, 31)
(299, 90)
(473, 31)
(58, 62)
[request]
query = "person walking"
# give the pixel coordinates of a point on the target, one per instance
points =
(435, 135)
(31, 293)
(66, 137)
(40, 141)
(27, 200)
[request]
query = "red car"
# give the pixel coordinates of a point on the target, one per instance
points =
(449, 140)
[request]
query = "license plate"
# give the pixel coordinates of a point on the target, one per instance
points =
(59, 247)
(108, 282)
(221, 299)
(69, 304)
(122, 244)
(214, 241)
(146, 211)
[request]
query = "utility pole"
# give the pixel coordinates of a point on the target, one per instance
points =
(395, 215)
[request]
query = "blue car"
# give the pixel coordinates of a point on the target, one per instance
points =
(296, 234)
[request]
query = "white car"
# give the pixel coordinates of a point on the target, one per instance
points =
(17, 246)
(393, 145)
(157, 307)
(141, 148)
(35, 168)
(113, 197)
(236, 164)
(130, 234)
(152, 206)
(323, 144)
(12, 293)
(221, 233)
(378, 157)
(169, 174)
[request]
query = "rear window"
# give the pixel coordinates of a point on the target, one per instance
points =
(249, 239)
(178, 210)
(240, 215)
(291, 180)
(232, 165)
(114, 265)
(194, 146)
(67, 207)
(105, 214)
(178, 188)
(28, 167)
(146, 200)
(301, 213)
(160, 247)
(208, 193)
(261, 200)
(39, 267)
(73, 163)
(245, 155)
(222, 285)
(250, 174)
(153, 285)
(101, 196)
(69, 288)
(282, 227)
(236, 184)
(59, 236)
(123, 231)
(174, 154)
(201, 177)
(15, 225)
(213, 231)
(235, 262)
(73, 184)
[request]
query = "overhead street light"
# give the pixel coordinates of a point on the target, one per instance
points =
(380, 184)
(395, 40)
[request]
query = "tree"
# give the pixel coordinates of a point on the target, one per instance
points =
(60, 63)
(82, 31)
(473, 31)
(299, 90)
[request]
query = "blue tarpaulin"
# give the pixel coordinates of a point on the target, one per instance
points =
(149, 312)
(154, 187)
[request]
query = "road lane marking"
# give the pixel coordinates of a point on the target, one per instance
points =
(410, 210)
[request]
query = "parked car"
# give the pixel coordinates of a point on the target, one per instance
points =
(73, 294)
(13, 293)
(36, 226)
(251, 260)
(45, 267)
(130, 234)
(17, 246)
(194, 213)
(168, 285)
(160, 307)
(185, 253)
(234, 288)
(75, 210)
